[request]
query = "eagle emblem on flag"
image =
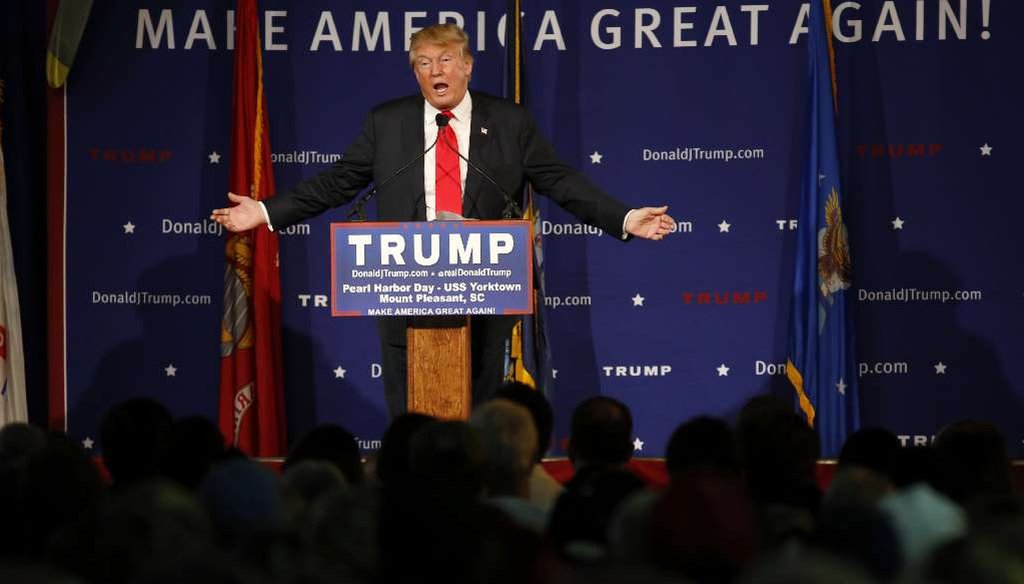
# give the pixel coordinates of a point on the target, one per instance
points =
(835, 270)
(236, 325)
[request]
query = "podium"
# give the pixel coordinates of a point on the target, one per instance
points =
(439, 369)
(435, 274)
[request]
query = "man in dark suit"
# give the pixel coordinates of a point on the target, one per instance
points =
(496, 135)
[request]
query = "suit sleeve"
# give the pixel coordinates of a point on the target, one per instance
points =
(333, 187)
(566, 186)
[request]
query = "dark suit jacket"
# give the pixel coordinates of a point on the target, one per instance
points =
(512, 151)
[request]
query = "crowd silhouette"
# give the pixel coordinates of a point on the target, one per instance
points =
(454, 502)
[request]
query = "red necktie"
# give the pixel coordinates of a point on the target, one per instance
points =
(447, 176)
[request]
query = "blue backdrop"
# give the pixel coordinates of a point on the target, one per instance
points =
(701, 107)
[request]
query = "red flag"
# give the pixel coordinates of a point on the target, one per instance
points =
(251, 372)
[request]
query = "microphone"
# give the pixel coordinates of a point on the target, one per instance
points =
(358, 209)
(510, 205)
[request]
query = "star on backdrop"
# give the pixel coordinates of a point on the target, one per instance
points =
(638, 300)
(339, 372)
(171, 370)
(986, 150)
(724, 226)
(214, 157)
(595, 158)
(638, 445)
(940, 368)
(723, 371)
(841, 386)
(129, 227)
(897, 223)
(87, 443)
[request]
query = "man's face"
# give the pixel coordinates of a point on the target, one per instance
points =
(443, 74)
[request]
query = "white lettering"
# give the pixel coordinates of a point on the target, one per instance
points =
(855, 24)
(449, 16)
(194, 34)
(467, 252)
(720, 26)
(549, 31)
(800, 26)
(755, 11)
(614, 31)
(271, 30)
(888, 21)
(679, 26)
(326, 31)
(381, 32)
(145, 24)
(392, 245)
(646, 29)
(411, 28)
(500, 244)
(948, 18)
(435, 249)
(360, 241)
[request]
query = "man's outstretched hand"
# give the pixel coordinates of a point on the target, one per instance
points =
(649, 223)
(245, 215)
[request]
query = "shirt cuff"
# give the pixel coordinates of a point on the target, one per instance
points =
(625, 220)
(266, 216)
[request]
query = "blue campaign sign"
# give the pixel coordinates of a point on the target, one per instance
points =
(431, 268)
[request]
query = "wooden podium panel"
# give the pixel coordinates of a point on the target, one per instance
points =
(438, 372)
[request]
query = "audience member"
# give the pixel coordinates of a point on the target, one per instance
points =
(875, 449)
(132, 435)
(243, 499)
(141, 530)
(544, 489)
(394, 458)
(779, 453)
(329, 443)
(509, 441)
(972, 461)
(307, 482)
(58, 484)
(703, 527)
(702, 443)
(193, 445)
(599, 447)
(600, 433)
(863, 535)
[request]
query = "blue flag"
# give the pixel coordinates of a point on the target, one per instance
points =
(821, 363)
(527, 358)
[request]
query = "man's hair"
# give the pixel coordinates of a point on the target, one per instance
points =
(539, 407)
(509, 438)
(445, 34)
(601, 432)
(705, 443)
(329, 443)
(972, 461)
(132, 434)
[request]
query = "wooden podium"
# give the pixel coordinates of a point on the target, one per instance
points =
(439, 367)
(433, 273)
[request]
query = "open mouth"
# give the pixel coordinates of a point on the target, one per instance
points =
(440, 88)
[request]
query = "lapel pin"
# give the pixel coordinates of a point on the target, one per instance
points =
(483, 130)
